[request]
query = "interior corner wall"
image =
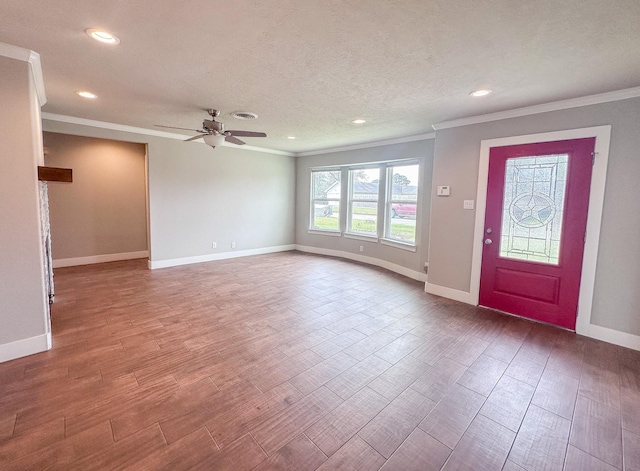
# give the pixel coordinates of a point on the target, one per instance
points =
(24, 317)
(198, 195)
(421, 151)
(103, 211)
(616, 299)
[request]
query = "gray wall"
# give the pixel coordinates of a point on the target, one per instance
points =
(420, 150)
(198, 195)
(457, 150)
(104, 210)
(23, 308)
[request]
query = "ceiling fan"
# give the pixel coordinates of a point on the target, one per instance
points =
(213, 132)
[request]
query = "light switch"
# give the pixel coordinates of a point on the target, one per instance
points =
(443, 190)
(468, 204)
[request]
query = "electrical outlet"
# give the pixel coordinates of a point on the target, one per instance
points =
(214, 245)
(361, 248)
(233, 245)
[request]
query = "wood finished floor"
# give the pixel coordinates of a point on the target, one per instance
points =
(298, 362)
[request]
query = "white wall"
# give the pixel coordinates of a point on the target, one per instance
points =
(104, 210)
(199, 195)
(616, 299)
(24, 321)
(377, 253)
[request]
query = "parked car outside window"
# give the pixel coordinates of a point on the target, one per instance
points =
(400, 210)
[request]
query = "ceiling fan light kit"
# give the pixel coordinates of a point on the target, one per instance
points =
(214, 140)
(214, 134)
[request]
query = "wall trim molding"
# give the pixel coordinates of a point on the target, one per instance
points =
(174, 262)
(25, 347)
(616, 337)
(148, 132)
(33, 58)
(449, 293)
(366, 145)
(111, 257)
(399, 269)
(542, 108)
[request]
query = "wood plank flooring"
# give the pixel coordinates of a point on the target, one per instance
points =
(299, 362)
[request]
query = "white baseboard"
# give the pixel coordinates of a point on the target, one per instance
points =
(449, 293)
(111, 257)
(25, 347)
(597, 332)
(174, 262)
(613, 336)
(416, 275)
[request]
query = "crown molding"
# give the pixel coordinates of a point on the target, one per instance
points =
(33, 58)
(111, 126)
(147, 132)
(366, 145)
(542, 108)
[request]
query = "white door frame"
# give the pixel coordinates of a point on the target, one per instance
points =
(594, 218)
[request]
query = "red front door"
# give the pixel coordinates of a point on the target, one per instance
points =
(534, 232)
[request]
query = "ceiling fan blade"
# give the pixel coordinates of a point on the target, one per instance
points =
(194, 138)
(174, 127)
(247, 133)
(234, 140)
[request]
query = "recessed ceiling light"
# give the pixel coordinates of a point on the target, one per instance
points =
(359, 121)
(102, 36)
(291, 137)
(86, 94)
(481, 92)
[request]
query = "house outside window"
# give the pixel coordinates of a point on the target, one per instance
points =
(325, 200)
(401, 203)
(364, 189)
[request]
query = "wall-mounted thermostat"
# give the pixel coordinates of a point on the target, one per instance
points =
(443, 190)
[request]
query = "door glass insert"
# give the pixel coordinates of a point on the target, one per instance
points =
(533, 206)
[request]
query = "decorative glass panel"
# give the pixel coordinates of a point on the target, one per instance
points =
(533, 207)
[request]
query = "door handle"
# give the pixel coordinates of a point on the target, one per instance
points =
(488, 242)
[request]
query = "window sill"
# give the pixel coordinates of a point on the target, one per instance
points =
(324, 233)
(398, 245)
(366, 238)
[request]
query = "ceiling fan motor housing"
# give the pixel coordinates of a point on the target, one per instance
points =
(211, 125)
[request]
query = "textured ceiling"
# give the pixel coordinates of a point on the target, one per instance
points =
(309, 67)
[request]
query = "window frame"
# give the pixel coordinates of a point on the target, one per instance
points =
(384, 202)
(349, 232)
(389, 202)
(314, 200)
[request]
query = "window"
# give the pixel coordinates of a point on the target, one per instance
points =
(325, 200)
(402, 203)
(381, 202)
(364, 185)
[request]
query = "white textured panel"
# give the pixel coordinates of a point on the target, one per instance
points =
(308, 68)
